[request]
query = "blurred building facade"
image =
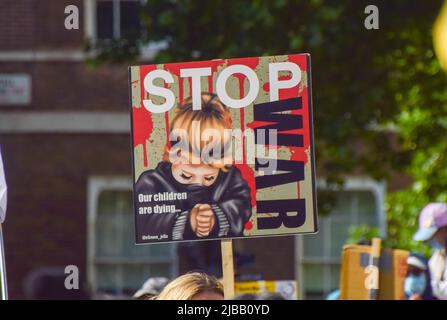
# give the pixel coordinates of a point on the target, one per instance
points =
(66, 149)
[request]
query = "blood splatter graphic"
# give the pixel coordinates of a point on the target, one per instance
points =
(283, 93)
(142, 118)
(296, 153)
(174, 68)
(142, 129)
(249, 177)
(256, 124)
(246, 171)
(249, 62)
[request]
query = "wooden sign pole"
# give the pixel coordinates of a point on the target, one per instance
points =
(374, 264)
(3, 283)
(227, 268)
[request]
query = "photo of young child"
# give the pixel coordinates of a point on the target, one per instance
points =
(217, 201)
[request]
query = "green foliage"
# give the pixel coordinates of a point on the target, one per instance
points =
(403, 209)
(112, 51)
(362, 233)
(417, 85)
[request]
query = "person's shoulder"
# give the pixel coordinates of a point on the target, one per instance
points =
(153, 175)
(232, 170)
(233, 174)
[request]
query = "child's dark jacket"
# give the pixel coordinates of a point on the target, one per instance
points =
(229, 198)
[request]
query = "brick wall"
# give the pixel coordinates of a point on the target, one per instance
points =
(50, 30)
(47, 197)
(32, 24)
(18, 23)
(73, 86)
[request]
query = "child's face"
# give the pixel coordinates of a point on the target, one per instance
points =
(201, 174)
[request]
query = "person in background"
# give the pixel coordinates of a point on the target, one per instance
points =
(261, 296)
(192, 286)
(152, 287)
(270, 296)
(417, 281)
(433, 229)
(245, 296)
(48, 283)
(334, 295)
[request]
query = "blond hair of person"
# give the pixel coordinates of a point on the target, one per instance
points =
(189, 285)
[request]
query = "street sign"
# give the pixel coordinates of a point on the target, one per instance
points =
(15, 89)
(286, 288)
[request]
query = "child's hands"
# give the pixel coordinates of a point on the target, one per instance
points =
(202, 220)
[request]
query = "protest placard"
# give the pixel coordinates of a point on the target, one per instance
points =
(223, 149)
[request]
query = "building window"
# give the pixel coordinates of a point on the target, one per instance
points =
(113, 19)
(118, 20)
(359, 203)
(116, 265)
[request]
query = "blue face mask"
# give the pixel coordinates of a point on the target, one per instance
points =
(434, 244)
(415, 284)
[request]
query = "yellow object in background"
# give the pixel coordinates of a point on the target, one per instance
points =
(287, 288)
(440, 36)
